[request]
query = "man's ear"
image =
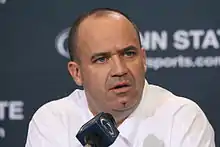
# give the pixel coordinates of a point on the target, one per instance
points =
(144, 58)
(75, 72)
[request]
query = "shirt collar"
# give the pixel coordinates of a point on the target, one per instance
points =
(150, 101)
(128, 128)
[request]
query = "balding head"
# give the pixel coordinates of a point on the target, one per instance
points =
(86, 19)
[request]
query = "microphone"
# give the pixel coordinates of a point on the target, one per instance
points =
(100, 131)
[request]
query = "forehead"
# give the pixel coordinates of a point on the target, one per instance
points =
(112, 31)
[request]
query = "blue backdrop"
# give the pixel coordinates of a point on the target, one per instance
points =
(182, 41)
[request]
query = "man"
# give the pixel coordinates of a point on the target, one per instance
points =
(108, 61)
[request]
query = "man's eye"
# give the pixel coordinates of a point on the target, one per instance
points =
(129, 53)
(100, 60)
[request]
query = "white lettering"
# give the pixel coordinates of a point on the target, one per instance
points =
(154, 40)
(15, 110)
(156, 63)
(210, 40)
(145, 40)
(3, 106)
(181, 40)
(159, 40)
(196, 34)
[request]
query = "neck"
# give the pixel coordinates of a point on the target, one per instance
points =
(119, 121)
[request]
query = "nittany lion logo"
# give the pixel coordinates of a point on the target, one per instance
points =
(61, 43)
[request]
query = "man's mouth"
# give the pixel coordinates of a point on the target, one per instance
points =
(121, 87)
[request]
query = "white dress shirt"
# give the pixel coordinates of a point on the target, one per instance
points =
(162, 119)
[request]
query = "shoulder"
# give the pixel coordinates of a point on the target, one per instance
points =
(61, 107)
(189, 126)
(61, 116)
(174, 104)
(186, 115)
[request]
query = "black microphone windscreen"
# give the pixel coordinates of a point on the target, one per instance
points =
(100, 131)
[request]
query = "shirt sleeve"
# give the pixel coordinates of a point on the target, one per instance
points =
(46, 130)
(191, 128)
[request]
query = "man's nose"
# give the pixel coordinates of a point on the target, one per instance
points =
(118, 67)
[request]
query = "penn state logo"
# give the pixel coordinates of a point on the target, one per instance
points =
(107, 126)
(61, 43)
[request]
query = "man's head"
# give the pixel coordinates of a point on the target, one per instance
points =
(107, 60)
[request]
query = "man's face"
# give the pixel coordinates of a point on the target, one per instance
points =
(112, 65)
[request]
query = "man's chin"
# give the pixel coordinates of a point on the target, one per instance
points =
(125, 108)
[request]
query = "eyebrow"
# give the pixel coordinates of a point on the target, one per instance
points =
(101, 54)
(128, 48)
(108, 54)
